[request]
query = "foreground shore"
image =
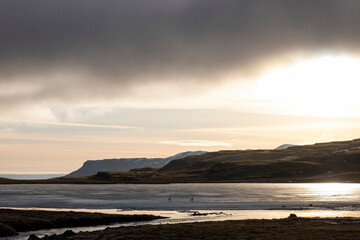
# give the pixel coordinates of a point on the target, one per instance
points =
(290, 229)
(14, 221)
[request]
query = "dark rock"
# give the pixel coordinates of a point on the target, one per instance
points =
(68, 233)
(196, 213)
(6, 230)
(292, 216)
(33, 237)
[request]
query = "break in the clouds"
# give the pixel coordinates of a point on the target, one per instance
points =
(77, 50)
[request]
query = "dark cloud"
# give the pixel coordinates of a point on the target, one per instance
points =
(115, 44)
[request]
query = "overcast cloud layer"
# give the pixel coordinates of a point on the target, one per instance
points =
(73, 50)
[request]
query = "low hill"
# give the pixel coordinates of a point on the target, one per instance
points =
(6, 180)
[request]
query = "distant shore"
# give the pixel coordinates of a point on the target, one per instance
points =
(88, 180)
(318, 163)
(291, 228)
(13, 221)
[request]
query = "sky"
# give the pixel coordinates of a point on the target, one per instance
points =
(90, 79)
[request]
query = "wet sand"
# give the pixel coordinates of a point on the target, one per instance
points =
(289, 228)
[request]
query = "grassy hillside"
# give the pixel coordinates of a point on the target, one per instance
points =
(335, 161)
(323, 162)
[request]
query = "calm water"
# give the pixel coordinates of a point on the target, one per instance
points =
(222, 201)
(31, 176)
(231, 196)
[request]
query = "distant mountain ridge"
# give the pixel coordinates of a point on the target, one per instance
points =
(91, 167)
(321, 162)
(332, 162)
(285, 146)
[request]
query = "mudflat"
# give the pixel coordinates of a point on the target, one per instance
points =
(14, 221)
(289, 229)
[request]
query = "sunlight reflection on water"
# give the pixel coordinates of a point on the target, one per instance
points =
(332, 191)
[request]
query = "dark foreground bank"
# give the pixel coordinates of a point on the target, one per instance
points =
(14, 221)
(290, 229)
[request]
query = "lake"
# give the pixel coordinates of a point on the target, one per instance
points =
(203, 196)
(220, 201)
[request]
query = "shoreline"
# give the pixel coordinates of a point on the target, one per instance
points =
(186, 217)
(291, 228)
(85, 181)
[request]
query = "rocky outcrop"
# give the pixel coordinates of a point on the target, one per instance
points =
(91, 167)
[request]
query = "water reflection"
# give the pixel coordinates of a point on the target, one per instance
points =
(333, 188)
(215, 196)
(332, 191)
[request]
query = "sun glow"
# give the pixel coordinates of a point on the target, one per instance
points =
(320, 87)
(326, 86)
